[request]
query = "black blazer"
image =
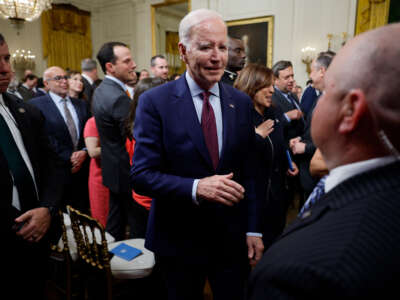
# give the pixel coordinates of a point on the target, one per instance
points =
(110, 109)
(293, 128)
(47, 167)
(347, 247)
(25, 93)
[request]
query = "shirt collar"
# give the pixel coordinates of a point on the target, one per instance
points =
(117, 81)
(342, 173)
(195, 90)
(57, 98)
(88, 78)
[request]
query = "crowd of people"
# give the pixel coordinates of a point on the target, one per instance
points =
(204, 166)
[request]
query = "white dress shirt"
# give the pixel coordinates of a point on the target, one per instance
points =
(342, 173)
(58, 101)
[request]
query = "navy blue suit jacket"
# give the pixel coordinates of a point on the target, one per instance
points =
(170, 153)
(56, 127)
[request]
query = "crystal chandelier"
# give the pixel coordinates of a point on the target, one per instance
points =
(23, 59)
(19, 11)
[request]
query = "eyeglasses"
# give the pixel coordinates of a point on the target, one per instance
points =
(59, 78)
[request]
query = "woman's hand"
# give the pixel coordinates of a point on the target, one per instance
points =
(265, 128)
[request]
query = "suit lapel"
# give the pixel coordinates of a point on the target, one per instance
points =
(228, 121)
(18, 112)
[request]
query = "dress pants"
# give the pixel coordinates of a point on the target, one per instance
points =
(186, 280)
(120, 215)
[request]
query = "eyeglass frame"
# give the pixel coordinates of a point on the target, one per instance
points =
(58, 78)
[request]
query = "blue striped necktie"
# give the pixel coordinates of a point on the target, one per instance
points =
(316, 194)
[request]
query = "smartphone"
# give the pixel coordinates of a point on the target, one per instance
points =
(289, 158)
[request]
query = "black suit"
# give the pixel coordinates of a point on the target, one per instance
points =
(348, 247)
(88, 90)
(26, 93)
(110, 109)
(26, 262)
(294, 128)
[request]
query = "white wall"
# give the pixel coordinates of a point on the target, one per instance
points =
(297, 23)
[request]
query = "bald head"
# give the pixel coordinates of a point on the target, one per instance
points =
(358, 116)
(55, 79)
(371, 62)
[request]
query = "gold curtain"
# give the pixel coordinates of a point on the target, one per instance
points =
(66, 36)
(176, 65)
(371, 14)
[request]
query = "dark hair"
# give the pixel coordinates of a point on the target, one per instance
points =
(29, 77)
(72, 73)
(142, 86)
(2, 40)
(253, 78)
(279, 66)
(81, 95)
(153, 59)
(106, 54)
(40, 83)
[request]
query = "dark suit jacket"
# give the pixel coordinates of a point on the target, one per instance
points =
(25, 93)
(48, 171)
(348, 247)
(39, 93)
(56, 127)
(293, 128)
(308, 100)
(110, 109)
(307, 181)
(170, 152)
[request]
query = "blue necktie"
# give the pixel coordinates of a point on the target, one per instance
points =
(316, 194)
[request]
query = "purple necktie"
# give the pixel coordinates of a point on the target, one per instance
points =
(209, 127)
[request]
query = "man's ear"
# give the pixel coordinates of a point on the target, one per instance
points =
(354, 107)
(182, 52)
(109, 67)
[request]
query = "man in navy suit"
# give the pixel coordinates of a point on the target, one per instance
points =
(193, 155)
(65, 119)
(346, 245)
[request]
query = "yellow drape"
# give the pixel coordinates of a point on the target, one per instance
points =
(371, 14)
(66, 36)
(176, 65)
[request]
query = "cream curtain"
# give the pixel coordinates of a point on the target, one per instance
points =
(66, 36)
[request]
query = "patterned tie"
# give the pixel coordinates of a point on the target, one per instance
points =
(209, 127)
(21, 176)
(129, 94)
(316, 194)
(70, 124)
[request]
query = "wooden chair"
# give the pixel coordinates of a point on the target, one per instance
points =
(92, 250)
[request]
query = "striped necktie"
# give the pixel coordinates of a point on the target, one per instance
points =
(71, 125)
(316, 194)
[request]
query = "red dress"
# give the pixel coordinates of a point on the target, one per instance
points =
(142, 200)
(98, 193)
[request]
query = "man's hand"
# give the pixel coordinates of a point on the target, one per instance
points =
(295, 170)
(294, 114)
(265, 128)
(36, 223)
(294, 141)
(77, 159)
(298, 148)
(220, 188)
(255, 248)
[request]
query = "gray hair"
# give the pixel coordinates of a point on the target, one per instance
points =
(88, 64)
(194, 18)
